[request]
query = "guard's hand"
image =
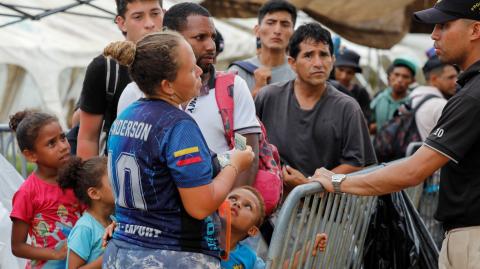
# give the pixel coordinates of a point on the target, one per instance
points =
(324, 176)
(292, 177)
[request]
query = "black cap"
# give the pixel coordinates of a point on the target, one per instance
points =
(449, 10)
(348, 58)
(431, 64)
(434, 63)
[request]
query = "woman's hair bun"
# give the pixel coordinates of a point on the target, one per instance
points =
(121, 51)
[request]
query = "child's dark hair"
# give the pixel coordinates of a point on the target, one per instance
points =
(81, 175)
(261, 203)
(26, 124)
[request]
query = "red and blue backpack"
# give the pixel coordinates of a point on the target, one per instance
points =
(269, 176)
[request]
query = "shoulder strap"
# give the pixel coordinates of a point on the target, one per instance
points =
(111, 80)
(111, 77)
(224, 83)
(246, 66)
(424, 99)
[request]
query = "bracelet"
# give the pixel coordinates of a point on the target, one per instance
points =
(234, 167)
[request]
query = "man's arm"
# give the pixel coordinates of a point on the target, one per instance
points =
(248, 177)
(395, 177)
(346, 169)
(246, 124)
(89, 134)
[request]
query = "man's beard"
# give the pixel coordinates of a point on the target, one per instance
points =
(206, 68)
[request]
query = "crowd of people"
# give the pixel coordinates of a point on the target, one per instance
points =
(155, 153)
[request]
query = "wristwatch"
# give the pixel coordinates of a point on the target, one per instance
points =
(336, 181)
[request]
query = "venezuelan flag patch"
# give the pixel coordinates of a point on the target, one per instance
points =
(187, 156)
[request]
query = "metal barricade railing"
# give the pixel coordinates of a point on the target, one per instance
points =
(309, 210)
(9, 149)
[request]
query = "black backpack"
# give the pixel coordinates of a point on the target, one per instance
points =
(112, 69)
(392, 139)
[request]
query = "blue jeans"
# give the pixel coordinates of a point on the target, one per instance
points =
(123, 255)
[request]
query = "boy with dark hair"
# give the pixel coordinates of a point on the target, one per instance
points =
(248, 213)
(276, 22)
(99, 98)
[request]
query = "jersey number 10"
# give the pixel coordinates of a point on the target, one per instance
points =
(126, 181)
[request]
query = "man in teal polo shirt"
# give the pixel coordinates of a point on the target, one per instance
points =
(401, 74)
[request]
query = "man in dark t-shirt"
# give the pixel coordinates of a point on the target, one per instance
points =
(313, 124)
(135, 19)
(453, 145)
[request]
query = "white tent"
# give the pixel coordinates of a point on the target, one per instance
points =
(42, 62)
(11, 181)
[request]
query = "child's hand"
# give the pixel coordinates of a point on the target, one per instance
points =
(108, 234)
(242, 159)
(61, 254)
(320, 243)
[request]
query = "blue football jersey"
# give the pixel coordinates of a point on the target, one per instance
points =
(155, 148)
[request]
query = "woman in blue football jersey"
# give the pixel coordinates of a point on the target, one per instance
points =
(160, 166)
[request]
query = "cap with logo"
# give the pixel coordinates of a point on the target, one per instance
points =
(449, 10)
(348, 58)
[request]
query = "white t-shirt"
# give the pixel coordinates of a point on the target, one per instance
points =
(130, 94)
(428, 114)
(204, 111)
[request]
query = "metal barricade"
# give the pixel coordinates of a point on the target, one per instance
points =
(425, 198)
(9, 149)
(309, 210)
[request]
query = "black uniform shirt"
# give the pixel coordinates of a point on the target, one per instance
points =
(457, 136)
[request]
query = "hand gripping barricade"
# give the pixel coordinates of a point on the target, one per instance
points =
(356, 227)
(309, 210)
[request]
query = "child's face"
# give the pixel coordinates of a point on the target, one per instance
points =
(106, 191)
(245, 209)
(51, 146)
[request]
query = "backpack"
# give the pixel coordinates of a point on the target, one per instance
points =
(111, 79)
(268, 180)
(246, 66)
(392, 140)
